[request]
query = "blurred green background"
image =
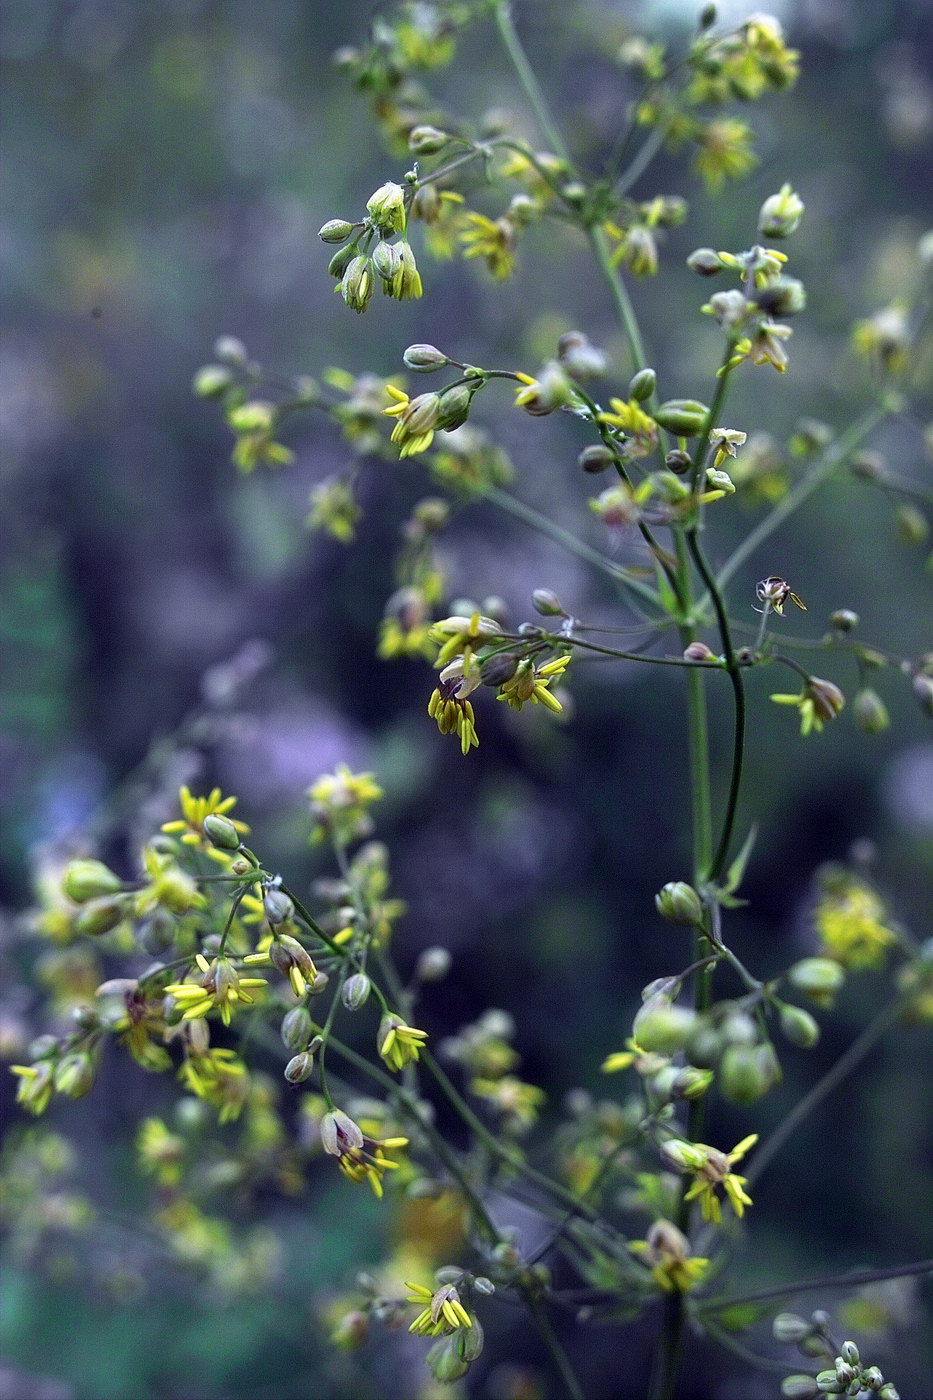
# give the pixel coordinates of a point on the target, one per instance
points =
(165, 168)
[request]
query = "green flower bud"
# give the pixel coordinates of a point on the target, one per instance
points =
(717, 480)
(742, 1076)
(870, 712)
(799, 1027)
(386, 208)
(342, 260)
(427, 140)
(790, 1327)
(453, 407)
(705, 262)
(691, 1083)
(799, 1388)
(221, 832)
(424, 358)
(596, 458)
(705, 1046)
(911, 524)
(356, 288)
(546, 602)
(210, 381)
(844, 619)
(335, 231)
(663, 1027)
(87, 879)
(850, 1353)
(680, 903)
(355, 991)
(498, 669)
(444, 1362)
(683, 417)
(387, 260)
(299, 1068)
(642, 385)
(100, 916)
(256, 416)
(828, 1383)
(277, 906)
(74, 1075)
(819, 978)
(579, 356)
(678, 462)
(156, 933)
(295, 1029)
(780, 214)
(888, 1392)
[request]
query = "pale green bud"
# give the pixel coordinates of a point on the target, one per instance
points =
(356, 288)
(790, 1327)
(277, 906)
(88, 879)
(820, 978)
(844, 619)
(99, 916)
(296, 1028)
(705, 262)
(231, 350)
(579, 356)
(386, 208)
(718, 480)
(799, 1388)
(74, 1075)
(742, 1077)
(799, 1027)
(211, 380)
(387, 260)
(642, 385)
(454, 407)
(546, 602)
(424, 358)
(342, 260)
(870, 712)
(661, 1026)
(679, 902)
(299, 1068)
(781, 214)
(427, 140)
(683, 417)
(355, 992)
(221, 832)
(335, 231)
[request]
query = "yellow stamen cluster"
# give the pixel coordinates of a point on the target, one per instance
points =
(443, 1311)
(220, 986)
(399, 1044)
(531, 683)
(711, 1169)
(191, 824)
(850, 924)
(666, 1251)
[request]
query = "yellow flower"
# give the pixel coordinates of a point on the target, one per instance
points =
(666, 1252)
(849, 921)
(160, 1151)
(190, 827)
(417, 420)
(641, 431)
(443, 1312)
(36, 1083)
(453, 714)
(493, 240)
(220, 986)
(219, 1077)
(818, 702)
(711, 1169)
(168, 885)
(398, 1043)
(345, 1140)
(725, 153)
(531, 683)
(517, 1101)
(405, 629)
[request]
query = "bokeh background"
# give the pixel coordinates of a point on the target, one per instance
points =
(165, 169)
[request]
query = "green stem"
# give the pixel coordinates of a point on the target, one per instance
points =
(843, 1067)
(558, 1355)
(853, 1280)
(528, 80)
(620, 297)
(819, 472)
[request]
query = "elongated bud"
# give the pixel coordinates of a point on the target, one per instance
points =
(99, 916)
(296, 1028)
(387, 260)
(642, 385)
(705, 262)
(683, 417)
(781, 214)
(355, 992)
(546, 602)
(454, 406)
(799, 1388)
(221, 832)
(342, 260)
(680, 903)
(799, 1027)
(870, 712)
(386, 208)
(819, 978)
(596, 458)
(357, 284)
(89, 879)
(427, 140)
(424, 359)
(790, 1327)
(496, 670)
(335, 231)
(299, 1068)
(277, 906)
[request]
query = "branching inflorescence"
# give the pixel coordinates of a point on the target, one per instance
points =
(235, 945)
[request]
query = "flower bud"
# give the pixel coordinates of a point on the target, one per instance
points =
(596, 458)
(546, 602)
(790, 1327)
(844, 619)
(661, 1026)
(698, 651)
(889, 1392)
(351, 1331)
(88, 879)
(156, 933)
(221, 832)
(386, 208)
(454, 407)
(355, 991)
(911, 524)
(819, 978)
(317, 984)
(342, 260)
(828, 1383)
(870, 712)
(335, 231)
(691, 1082)
(785, 296)
(99, 916)
(424, 358)
(680, 903)
(742, 1076)
(678, 462)
(210, 381)
(872, 1379)
(387, 260)
(683, 417)
(433, 965)
(799, 1027)
(498, 669)
(705, 262)
(299, 1068)
(295, 1029)
(707, 17)
(356, 286)
(231, 350)
(579, 356)
(850, 1353)
(718, 480)
(799, 1388)
(277, 906)
(780, 214)
(642, 385)
(427, 140)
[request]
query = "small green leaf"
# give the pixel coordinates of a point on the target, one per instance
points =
(737, 869)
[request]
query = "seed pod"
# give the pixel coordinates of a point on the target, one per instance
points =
(683, 417)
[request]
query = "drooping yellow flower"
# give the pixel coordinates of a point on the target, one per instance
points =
(220, 986)
(530, 683)
(493, 240)
(442, 1310)
(712, 1169)
(398, 1043)
(416, 420)
(818, 702)
(725, 153)
(666, 1252)
(345, 1140)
